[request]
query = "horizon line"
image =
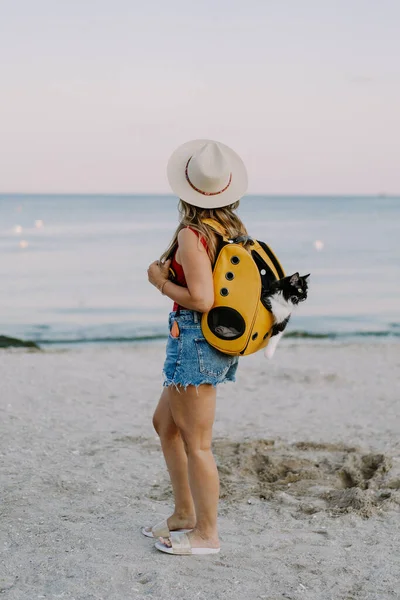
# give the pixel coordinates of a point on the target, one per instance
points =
(169, 195)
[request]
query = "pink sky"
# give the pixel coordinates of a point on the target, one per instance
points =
(95, 95)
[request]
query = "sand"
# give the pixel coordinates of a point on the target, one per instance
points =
(308, 450)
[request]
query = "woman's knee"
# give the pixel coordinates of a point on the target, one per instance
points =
(164, 425)
(195, 442)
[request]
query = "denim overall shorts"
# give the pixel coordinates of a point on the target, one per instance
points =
(190, 359)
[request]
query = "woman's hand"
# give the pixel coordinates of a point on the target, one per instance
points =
(158, 273)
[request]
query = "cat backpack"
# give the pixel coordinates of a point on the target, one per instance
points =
(239, 323)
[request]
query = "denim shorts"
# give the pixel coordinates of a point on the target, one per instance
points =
(190, 359)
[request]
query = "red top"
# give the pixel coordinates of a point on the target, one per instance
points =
(180, 278)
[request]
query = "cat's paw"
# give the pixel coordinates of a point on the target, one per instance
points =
(269, 352)
(272, 344)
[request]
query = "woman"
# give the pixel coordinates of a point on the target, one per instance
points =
(209, 178)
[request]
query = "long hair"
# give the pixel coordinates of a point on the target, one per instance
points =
(192, 216)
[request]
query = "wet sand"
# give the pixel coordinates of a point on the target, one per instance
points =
(308, 450)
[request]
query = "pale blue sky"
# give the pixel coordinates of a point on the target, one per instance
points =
(95, 94)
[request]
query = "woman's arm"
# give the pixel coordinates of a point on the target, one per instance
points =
(199, 295)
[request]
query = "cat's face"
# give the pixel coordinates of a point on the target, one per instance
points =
(294, 288)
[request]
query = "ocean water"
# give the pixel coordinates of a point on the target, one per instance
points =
(73, 268)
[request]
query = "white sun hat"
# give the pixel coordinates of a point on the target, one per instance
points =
(207, 174)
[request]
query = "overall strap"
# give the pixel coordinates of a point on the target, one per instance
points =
(218, 228)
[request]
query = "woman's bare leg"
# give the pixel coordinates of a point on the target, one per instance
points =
(177, 464)
(193, 412)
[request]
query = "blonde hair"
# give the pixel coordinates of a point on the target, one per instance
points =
(192, 216)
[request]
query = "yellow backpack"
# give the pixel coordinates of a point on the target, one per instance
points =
(239, 323)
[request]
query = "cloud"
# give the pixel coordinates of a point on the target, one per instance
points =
(361, 79)
(71, 89)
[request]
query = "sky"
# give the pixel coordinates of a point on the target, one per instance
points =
(96, 94)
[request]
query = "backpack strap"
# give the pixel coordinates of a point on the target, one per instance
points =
(217, 227)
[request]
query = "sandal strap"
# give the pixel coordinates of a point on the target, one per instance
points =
(180, 543)
(161, 530)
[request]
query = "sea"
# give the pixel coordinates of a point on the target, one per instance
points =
(73, 268)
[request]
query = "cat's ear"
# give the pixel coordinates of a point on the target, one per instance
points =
(306, 276)
(294, 280)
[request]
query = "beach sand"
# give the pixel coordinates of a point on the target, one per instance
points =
(308, 450)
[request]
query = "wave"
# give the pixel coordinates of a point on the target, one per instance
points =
(8, 342)
(106, 340)
(343, 334)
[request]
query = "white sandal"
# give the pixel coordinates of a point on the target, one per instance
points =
(181, 545)
(160, 530)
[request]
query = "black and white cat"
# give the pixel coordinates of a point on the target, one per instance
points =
(283, 295)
